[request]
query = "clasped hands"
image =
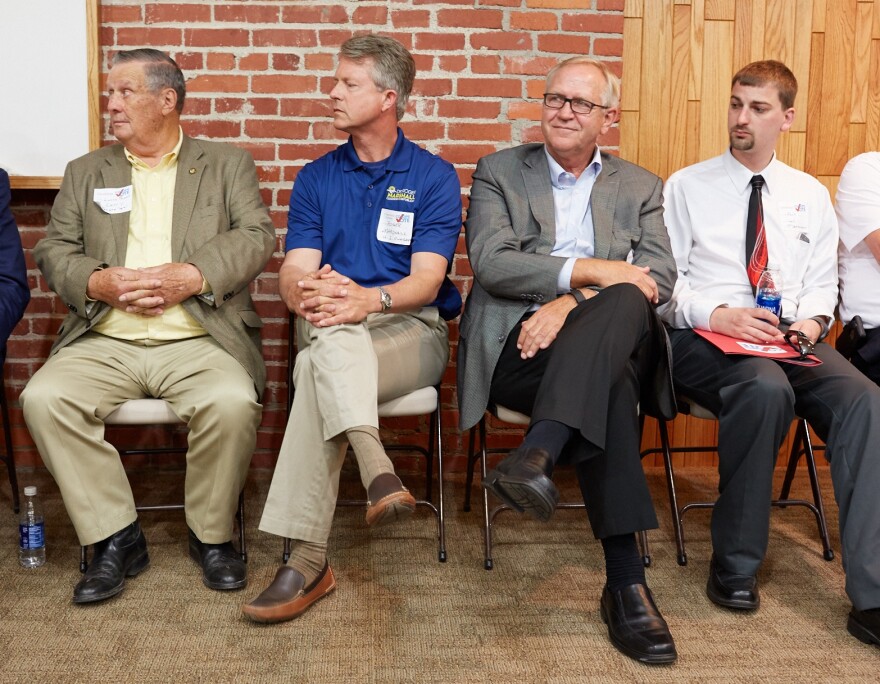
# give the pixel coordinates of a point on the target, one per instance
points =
(326, 297)
(145, 291)
(757, 325)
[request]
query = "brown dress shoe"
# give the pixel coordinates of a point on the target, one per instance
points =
(287, 597)
(389, 501)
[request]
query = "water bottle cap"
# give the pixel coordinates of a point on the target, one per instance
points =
(30, 491)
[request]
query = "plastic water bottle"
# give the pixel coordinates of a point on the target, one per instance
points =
(768, 294)
(32, 548)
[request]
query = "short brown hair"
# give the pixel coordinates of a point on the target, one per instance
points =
(769, 72)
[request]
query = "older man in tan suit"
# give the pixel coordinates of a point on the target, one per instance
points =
(151, 246)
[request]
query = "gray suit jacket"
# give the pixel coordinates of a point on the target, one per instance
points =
(219, 224)
(510, 231)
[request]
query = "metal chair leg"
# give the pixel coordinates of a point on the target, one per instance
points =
(9, 458)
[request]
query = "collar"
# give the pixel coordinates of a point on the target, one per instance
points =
(560, 178)
(741, 177)
(400, 159)
(168, 158)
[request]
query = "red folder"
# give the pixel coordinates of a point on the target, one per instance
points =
(777, 352)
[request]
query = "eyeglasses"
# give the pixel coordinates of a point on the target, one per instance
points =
(802, 344)
(578, 105)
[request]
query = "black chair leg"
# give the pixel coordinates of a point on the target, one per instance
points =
(9, 458)
(673, 497)
(471, 461)
(827, 552)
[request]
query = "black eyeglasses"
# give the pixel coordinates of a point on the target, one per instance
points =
(802, 344)
(578, 105)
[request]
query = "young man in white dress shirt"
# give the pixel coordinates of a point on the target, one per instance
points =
(858, 212)
(756, 399)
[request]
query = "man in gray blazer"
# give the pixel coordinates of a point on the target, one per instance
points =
(570, 256)
(151, 246)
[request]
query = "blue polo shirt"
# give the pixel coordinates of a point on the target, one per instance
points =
(368, 219)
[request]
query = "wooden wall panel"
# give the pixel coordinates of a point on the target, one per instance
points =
(678, 59)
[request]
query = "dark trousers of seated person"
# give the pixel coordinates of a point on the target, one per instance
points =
(755, 401)
(867, 357)
(588, 379)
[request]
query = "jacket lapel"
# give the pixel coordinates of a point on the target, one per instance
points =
(190, 167)
(536, 176)
(602, 203)
(117, 174)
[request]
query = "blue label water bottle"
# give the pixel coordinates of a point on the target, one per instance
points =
(768, 294)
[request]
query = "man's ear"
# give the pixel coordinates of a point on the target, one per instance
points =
(788, 119)
(169, 100)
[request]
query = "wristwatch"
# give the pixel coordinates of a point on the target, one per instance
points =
(385, 299)
(825, 323)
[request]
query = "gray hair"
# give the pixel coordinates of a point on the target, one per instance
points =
(161, 71)
(611, 97)
(393, 65)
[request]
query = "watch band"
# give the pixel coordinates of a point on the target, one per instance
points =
(825, 323)
(578, 295)
(385, 299)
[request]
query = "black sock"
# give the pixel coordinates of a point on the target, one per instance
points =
(550, 435)
(623, 563)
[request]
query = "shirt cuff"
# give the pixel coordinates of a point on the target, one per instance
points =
(563, 281)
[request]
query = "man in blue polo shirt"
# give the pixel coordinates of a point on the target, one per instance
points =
(371, 231)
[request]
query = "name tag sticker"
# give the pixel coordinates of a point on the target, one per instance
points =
(113, 200)
(395, 227)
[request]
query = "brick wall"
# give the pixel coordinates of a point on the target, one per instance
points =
(257, 76)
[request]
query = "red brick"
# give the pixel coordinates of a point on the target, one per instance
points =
(476, 18)
(560, 43)
(534, 21)
(321, 62)
(532, 134)
(485, 64)
(502, 3)
(180, 14)
(423, 131)
(197, 106)
(283, 84)
(220, 84)
(212, 129)
(189, 61)
(611, 138)
(285, 61)
(532, 66)
(410, 18)
(370, 14)
(561, 4)
(489, 87)
(268, 174)
(220, 61)
(588, 22)
(611, 47)
(334, 37)
(307, 152)
(121, 14)
(216, 37)
(251, 14)
(325, 130)
(285, 38)
(432, 86)
(535, 89)
(314, 14)
(453, 63)
(153, 37)
(464, 154)
(611, 5)
(424, 63)
(308, 107)
(468, 109)
(501, 40)
(439, 41)
(277, 129)
(257, 61)
(479, 131)
(524, 110)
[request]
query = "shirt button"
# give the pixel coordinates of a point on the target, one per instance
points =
(369, 204)
(369, 187)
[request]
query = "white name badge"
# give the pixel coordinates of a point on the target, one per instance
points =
(113, 200)
(395, 227)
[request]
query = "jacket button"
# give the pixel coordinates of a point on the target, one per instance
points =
(227, 296)
(71, 307)
(539, 297)
(501, 339)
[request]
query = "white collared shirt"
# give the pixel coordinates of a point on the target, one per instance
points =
(575, 237)
(705, 209)
(858, 211)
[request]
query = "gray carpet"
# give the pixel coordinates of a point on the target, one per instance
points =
(400, 616)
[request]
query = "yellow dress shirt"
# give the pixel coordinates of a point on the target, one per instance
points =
(149, 244)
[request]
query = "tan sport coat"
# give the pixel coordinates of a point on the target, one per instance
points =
(219, 224)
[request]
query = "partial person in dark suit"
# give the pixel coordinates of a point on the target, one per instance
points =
(570, 256)
(152, 245)
(14, 291)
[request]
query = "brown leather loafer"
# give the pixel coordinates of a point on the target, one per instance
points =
(287, 597)
(389, 501)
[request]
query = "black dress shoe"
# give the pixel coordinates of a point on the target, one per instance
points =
(121, 555)
(522, 481)
(864, 625)
(222, 566)
(730, 590)
(635, 626)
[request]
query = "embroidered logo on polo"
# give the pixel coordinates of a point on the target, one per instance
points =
(403, 194)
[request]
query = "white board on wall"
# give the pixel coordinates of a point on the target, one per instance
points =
(49, 81)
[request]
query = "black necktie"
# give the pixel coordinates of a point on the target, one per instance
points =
(756, 245)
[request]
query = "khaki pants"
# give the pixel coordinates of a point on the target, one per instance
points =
(341, 374)
(66, 401)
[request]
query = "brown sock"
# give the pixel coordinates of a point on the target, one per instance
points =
(308, 558)
(369, 452)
